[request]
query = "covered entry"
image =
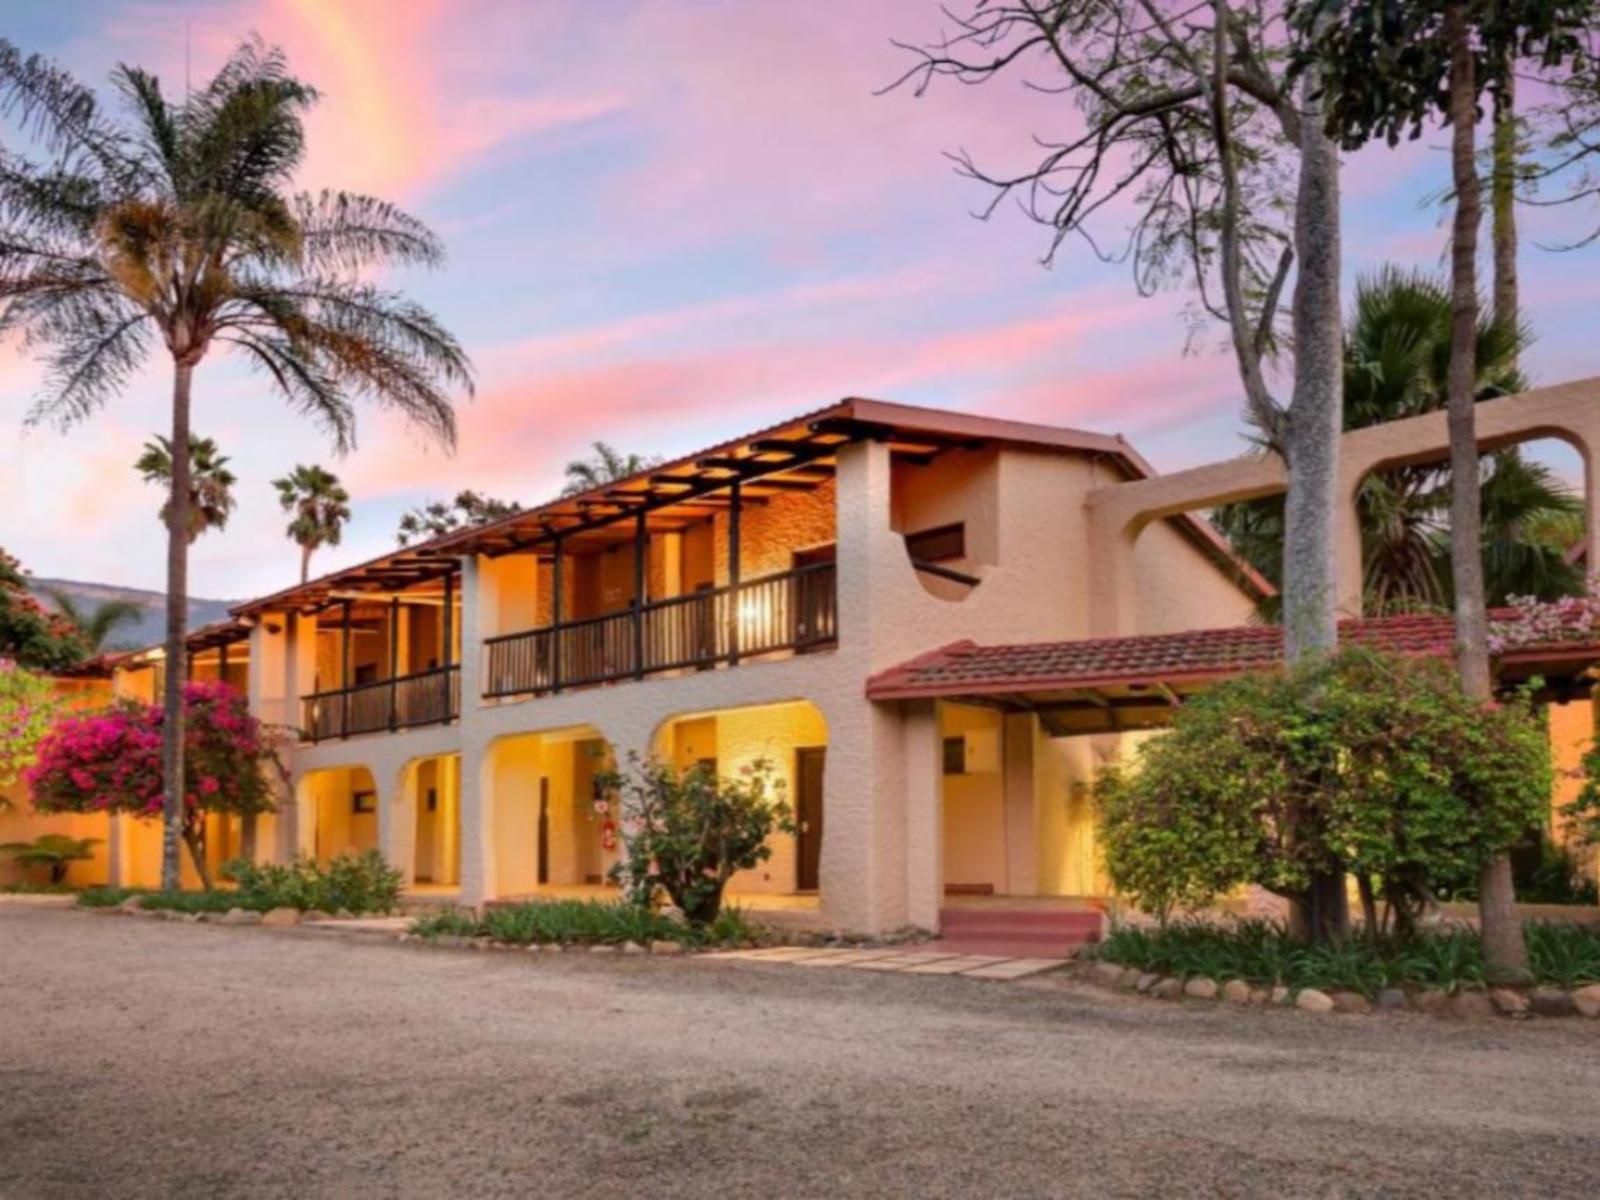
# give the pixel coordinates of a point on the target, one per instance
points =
(548, 834)
(793, 738)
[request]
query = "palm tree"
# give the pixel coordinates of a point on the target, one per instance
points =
(1397, 356)
(606, 465)
(96, 625)
(211, 500)
(177, 225)
(467, 511)
(320, 507)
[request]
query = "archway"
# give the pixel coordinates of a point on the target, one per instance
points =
(547, 838)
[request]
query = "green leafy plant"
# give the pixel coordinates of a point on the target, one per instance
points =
(688, 832)
(447, 922)
(1359, 763)
(355, 883)
(27, 708)
(582, 922)
(56, 852)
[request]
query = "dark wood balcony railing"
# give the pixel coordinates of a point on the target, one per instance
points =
(794, 610)
(424, 698)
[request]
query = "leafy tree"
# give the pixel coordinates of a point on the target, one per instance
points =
(31, 635)
(211, 500)
(1194, 119)
(319, 508)
(96, 625)
(54, 851)
(1359, 762)
(27, 709)
(688, 832)
(1397, 351)
(111, 762)
(176, 225)
(605, 465)
(467, 511)
(1393, 69)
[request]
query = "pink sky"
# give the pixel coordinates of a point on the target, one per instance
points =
(667, 223)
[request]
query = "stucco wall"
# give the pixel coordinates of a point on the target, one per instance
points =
(974, 806)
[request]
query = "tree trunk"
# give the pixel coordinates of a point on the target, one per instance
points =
(172, 765)
(1503, 189)
(194, 836)
(1316, 412)
(1505, 955)
(305, 563)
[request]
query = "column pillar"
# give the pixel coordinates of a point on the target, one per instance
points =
(1021, 816)
(475, 782)
(924, 784)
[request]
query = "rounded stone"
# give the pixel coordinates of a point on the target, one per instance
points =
(666, 947)
(632, 948)
(1432, 1001)
(1129, 980)
(1108, 973)
(1147, 981)
(1313, 1001)
(1391, 999)
(1350, 1002)
(1508, 1002)
(281, 917)
(1280, 995)
(1167, 988)
(1471, 1006)
(1236, 991)
(1200, 988)
(1551, 1002)
(1260, 995)
(1587, 1000)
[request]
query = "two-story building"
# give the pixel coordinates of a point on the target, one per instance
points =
(935, 626)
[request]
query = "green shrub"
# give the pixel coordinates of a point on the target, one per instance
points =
(1262, 953)
(191, 902)
(359, 884)
(105, 897)
(582, 922)
(447, 922)
(1357, 763)
(55, 852)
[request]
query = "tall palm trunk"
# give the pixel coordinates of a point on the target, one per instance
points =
(172, 765)
(1505, 955)
(305, 563)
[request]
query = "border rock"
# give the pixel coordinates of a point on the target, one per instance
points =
(1312, 1000)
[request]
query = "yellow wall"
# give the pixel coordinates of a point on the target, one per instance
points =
(569, 761)
(974, 806)
(737, 738)
(1572, 733)
(329, 796)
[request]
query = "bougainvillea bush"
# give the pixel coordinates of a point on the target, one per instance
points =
(110, 762)
(1359, 764)
(31, 634)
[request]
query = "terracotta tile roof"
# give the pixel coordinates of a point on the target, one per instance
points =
(968, 669)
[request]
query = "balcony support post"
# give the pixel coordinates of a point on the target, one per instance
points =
(449, 638)
(736, 504)
(640, 541)
(344, 677)
(556, 590)
(394, 662)
(222, 663)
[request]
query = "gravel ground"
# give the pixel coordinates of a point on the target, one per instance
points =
(144, 1058)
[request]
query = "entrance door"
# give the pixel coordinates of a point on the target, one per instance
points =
(544, 830)
(808, 767)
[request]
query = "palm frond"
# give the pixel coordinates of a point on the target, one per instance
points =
(347, 231)
(50, 105)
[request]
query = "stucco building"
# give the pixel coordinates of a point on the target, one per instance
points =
(936, 626)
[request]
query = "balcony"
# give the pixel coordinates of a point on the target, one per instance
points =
(431, 697)
(791, 611)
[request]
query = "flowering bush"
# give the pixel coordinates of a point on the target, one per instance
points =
(31, 634)
(1546, 622)
(687, 832)
(27, 706)
(110, 762)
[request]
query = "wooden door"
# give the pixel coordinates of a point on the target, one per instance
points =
(808, 774)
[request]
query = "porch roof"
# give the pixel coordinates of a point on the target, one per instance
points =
(1112, 684)
(796, 454)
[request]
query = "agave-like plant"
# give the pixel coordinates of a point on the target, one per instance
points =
(175, 224)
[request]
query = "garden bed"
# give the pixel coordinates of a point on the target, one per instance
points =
(1439, 971)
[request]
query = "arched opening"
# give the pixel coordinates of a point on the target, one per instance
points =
(547, 837)
(431, 809)
(339, 813)
(793, 738)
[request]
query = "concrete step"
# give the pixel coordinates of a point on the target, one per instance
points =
(1001, 947)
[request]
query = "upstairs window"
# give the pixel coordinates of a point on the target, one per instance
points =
(936, 545)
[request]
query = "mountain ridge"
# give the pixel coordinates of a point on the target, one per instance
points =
(151, 628)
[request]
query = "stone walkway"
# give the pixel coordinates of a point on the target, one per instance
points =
(907, 962)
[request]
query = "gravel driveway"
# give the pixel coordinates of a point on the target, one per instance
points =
(145, 1058)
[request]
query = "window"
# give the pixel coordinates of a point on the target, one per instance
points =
(938, 545)
(363, 802)
(955, 755)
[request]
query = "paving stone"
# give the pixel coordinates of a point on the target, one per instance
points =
(953, 966)
(1016, 968)
(849, 958)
